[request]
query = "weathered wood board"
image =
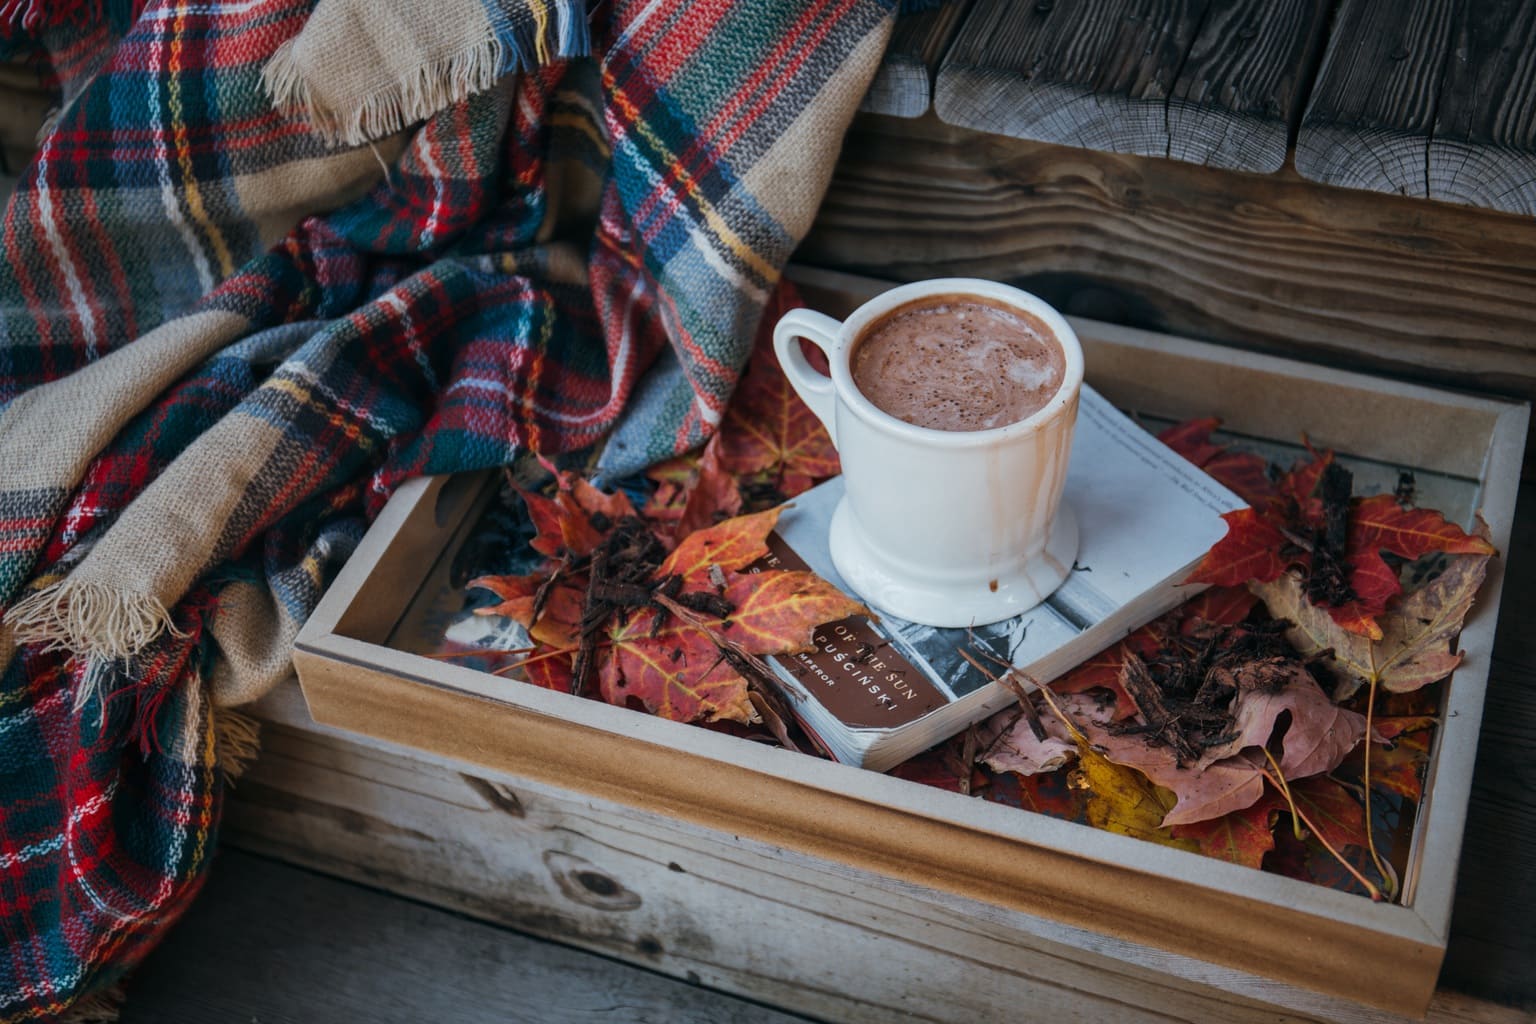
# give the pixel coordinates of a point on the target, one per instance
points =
(272, 943)
(1373, 105)
(903, 87)
(738, 915)
(1211, 83)
(1483, 150)
(1437, 293)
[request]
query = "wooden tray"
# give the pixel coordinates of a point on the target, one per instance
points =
(1205, 925)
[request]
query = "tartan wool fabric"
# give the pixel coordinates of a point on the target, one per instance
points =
(223, 344)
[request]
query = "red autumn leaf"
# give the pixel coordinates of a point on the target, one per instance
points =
(1221, 606)
(1315, 734)
(551, 672)
(1192, 439)
(731, 545)
(681, 676)
(1385, 730)
(1102, 671)
(1049, 794)
(1375, 584)
(941, 767)
(1240, 837)
(1379, 523)
(1249, 551)
(712, 495)
(563, 525)
(1301, 482)
(558, 619)
(767, 427)
(778, 612)
(1332, 809)
(1244, 474)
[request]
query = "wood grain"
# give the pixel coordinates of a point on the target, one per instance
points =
(1373, 106)
(1238, 95)
(1484, 147)
(744, 917)
(1091, 73)
(903, 86)
(277, 944)
(1436, 293)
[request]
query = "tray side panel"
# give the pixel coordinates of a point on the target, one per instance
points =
(1116, 901)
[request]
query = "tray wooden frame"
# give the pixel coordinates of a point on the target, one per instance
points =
(1209, 925)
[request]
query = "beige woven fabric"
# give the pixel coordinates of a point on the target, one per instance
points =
(363, 69)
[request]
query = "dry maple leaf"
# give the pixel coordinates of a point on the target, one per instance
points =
(1239, 837)
(1314, 733)
(682, 677)
(1251, 550)
(671, 632)
(1332, 809)
(1417, 635)
(1243, 473)
(1181, 794)
(768, 429)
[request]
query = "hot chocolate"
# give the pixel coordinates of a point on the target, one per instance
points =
(956, 363)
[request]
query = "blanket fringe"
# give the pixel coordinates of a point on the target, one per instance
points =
(412, 98)
(104, 1007)
(236, 741)
(89, 619)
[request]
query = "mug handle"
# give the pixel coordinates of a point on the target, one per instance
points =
(825, 333)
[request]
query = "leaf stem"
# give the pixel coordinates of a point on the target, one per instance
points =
(550, 653)
(1370, 824)
(1285, 791)
(1370, 888)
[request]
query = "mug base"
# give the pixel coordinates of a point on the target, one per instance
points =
(953, 603)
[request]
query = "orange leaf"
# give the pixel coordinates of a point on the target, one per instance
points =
(516, 593)
(1379, 523)
(559, 618)
(1102, 671)
(562, 525)
(733, 544)
(778, 612)
(1399, 768)
(1249, 551)
(1192, 439)
(680, 676)
(1245, 474)
(551, 672)
(1241, 837)
(1375, 583)
(768, 428)
(1330, 806)
(713, 494)
(1221, 606)
(1301, 482)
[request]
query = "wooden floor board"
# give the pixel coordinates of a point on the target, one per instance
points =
(268, 943)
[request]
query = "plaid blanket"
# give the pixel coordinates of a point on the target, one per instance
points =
(224, 342)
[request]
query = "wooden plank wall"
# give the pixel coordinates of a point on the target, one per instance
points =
(1212, 83)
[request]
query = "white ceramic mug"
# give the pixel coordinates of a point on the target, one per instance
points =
(942, 527)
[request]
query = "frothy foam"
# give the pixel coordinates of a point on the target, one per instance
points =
(958, 364)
